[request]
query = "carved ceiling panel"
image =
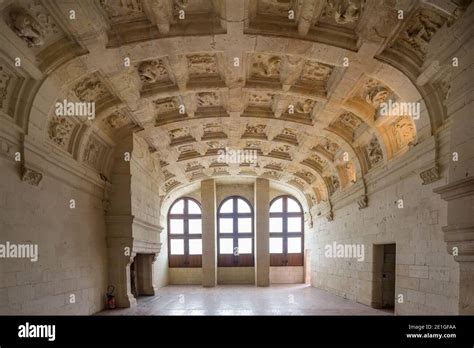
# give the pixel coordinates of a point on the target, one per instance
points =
(276, 8)
(120, 11)
(33, 24)
(287, 98)
(345, 13)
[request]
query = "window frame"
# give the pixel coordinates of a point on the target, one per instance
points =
(186, 260)
(232, 260)
(283, 259)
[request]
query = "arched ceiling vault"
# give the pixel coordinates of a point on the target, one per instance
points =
(300, 88)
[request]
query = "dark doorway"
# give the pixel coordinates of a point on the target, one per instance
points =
(384, 275)
(133, 279)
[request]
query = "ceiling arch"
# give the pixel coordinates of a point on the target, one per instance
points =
(304, 93)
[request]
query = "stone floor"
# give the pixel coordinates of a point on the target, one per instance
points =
(295, 299)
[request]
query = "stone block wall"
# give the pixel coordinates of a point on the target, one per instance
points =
(287, 275)
(426, 275)
(71, 246)
(185, 276)
(146, 209)
(235, 275)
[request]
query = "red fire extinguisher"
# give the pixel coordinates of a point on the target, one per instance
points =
(110, 297)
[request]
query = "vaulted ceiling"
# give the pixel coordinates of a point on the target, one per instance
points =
(299, 82)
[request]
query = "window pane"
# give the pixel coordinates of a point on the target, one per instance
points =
(294, 224)
(178, 207)
(193, 207)
(245, 224)
(226, 225)
(195, 226)
(294, 245)
(226, 246)
(242, 206)
(276, 245)
(177, 247)
(293, 207)
(276, 225)
(228, 206)
(277, 206)
(195, 247)
(176, 226)
(245, 245)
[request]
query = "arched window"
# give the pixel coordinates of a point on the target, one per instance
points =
(235, 233)
(286, 232)
(185, 233)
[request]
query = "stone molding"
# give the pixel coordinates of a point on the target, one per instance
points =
(457, 189)
(147, 225)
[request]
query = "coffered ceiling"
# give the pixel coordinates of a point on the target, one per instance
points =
(299, 82)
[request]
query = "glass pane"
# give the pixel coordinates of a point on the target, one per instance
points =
(276, 245)
(226, 225)
(226, 245)
(193, 208)
(176, 226)
(242, 206)
(245, 224)
(245, 245)
(177, 247)
(276, 225)
(178, 207)
(294, 224)
(277, 206)
(294, 245)
(228, 206)
(195, 247)
(293, 207)
(195, 226)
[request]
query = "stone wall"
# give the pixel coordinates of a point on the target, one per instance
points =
(185, 276)
(287, 275)
(426, 275)
(71, 245)
(147, 233)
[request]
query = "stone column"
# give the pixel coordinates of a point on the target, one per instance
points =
(119, 257)
(119, 221)
(262, 234)
(459, 192)
(459, 236)
(209, 249)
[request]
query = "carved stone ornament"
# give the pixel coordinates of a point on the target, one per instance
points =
(430, 175)
(344, 11)
(362, 202)
(266, 66)
(330, 216)
(60, 129)
(4, 82)
(31, 176)
(26, 27)
(152, 71)
(374, 151)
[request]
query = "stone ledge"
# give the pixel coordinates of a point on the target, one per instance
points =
(458, 189)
